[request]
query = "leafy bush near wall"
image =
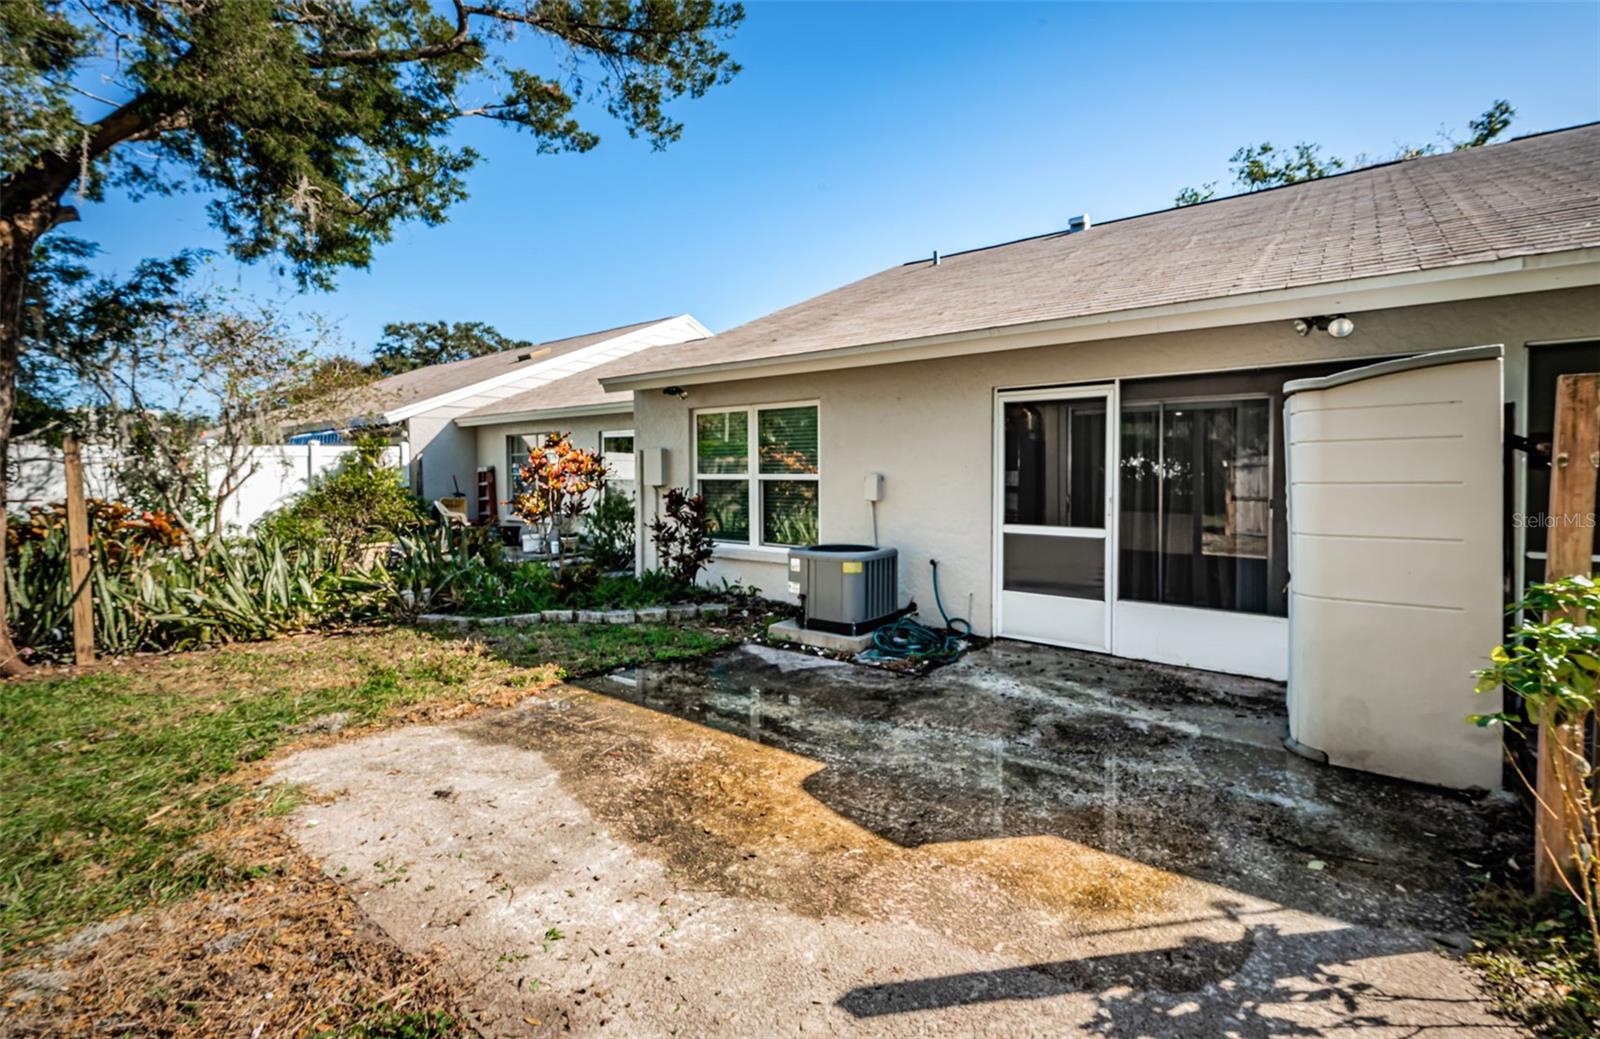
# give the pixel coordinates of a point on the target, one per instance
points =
(534, 586)
(154, 595)
(1551, 661)
(442, 573)
(609, 534)
(360, 502)
(682, 535)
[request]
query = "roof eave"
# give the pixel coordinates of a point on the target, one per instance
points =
(546, 414)
(1533, 273)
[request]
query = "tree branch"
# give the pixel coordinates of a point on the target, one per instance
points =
(399, 55)
(51, 173)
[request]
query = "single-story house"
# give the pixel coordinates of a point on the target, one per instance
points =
(445, 456)
(1260, 435)
(577, 406)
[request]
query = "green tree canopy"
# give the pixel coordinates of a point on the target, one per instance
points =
(315, 127)
(1257, 166)
(71, 320)
(416, 344)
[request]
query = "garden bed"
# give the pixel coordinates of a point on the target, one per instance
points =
(674, 614)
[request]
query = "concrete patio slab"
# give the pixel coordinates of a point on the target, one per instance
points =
(1030, 842)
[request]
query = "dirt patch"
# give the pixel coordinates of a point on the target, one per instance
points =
(285, 953)
(1079, 881)
(728, 814)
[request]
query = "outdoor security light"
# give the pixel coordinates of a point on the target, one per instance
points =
(1338, 326)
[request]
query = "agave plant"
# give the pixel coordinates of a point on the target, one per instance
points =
(189, 596)
(423, 572)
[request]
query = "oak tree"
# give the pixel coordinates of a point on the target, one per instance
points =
(417, 344)
(315, 126)
(1257, 166)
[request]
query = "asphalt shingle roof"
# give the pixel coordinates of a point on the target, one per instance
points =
(1537, 194)
(397, 391)
(582, 390)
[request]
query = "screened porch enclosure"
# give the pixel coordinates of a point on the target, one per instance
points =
(1197, 498)
(1183, 557)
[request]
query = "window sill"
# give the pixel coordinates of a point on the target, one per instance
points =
(750, 553)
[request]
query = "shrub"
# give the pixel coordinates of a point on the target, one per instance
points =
(609, 536)
(168, 598)
(682, 535)
(532, 587)
(1552, 663)
(559, 481)
(426, 569)
(360, 502)
(126, 532)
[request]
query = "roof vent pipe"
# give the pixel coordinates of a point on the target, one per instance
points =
(1081, 222)
(936, 257)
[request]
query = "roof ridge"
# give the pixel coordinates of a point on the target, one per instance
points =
(1063, 232)
(532, 347)
(602, 331)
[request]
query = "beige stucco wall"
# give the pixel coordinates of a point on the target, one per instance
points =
(927, 426)
(443, 452)
(584, 430)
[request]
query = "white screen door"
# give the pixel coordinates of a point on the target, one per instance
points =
(1052, 502)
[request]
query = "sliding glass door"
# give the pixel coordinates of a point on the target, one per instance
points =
(1196, 520)
(1054, 497)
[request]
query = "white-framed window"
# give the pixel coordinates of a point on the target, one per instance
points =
(758, 469)
(517, 447)
(616, 450)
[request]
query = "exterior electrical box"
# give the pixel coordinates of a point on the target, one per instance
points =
(655, 466)
(845, 589)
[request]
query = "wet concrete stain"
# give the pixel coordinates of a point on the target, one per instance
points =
(1022, 795)
(1030, 842)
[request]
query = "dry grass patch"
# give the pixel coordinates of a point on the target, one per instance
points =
(140, 820)
(283, 952)
(112, 775)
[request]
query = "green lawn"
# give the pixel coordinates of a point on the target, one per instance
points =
(112, 775)
(587, 648)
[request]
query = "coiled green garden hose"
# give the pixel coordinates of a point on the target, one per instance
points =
(906, 639)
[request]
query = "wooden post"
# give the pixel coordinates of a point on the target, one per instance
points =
(78, 555)
(1574, 469)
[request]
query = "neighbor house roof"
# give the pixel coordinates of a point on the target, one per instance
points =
(438, 380)
(1535, 195)
(573, 395)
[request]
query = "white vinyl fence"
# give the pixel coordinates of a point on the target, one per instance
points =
(280, 472)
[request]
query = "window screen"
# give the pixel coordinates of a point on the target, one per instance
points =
(788, 441)
(1196, 508)
(776, 503)
(722, 442)
(1056, 463)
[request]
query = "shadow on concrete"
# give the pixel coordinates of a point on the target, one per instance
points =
(1276, 985)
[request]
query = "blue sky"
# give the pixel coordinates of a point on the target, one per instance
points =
(863, 135)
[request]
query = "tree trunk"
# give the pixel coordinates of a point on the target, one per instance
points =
(17, 238)
(30, 205)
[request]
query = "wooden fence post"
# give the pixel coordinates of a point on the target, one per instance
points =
(78, 554)
(1574, 468)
